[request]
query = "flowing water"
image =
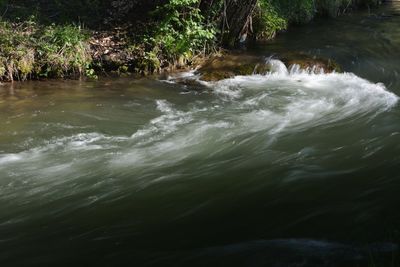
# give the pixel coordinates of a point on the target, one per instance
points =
(284, 169)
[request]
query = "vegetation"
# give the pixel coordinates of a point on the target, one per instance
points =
(268, 21)
(31, 51)
(180, 32)
(57, 39)
(273, 16)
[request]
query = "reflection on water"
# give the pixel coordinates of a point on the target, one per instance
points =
(287, 169)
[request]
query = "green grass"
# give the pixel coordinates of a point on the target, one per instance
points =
(28, 50)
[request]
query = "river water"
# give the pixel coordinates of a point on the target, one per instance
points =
(283, 169)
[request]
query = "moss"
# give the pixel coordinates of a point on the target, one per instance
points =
(333, 65)
(308, 62)
(245, 69)
(216, 76)
(262, 69)
(229, 65)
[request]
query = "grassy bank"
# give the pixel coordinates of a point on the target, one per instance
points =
(30, 51)
(70, 39)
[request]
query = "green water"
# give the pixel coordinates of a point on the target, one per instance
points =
(286, 169)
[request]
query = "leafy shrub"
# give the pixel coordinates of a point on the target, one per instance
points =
(295, 11)
(267, 21)
(181, 30)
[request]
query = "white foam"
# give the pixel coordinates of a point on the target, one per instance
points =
(302, 98)
(7, 158)
(280, 102)
(163, 125)
(277, 67)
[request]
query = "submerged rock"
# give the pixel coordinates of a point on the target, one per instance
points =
(227, 66)
(311, 63)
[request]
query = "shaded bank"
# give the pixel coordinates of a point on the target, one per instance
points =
(128, 36)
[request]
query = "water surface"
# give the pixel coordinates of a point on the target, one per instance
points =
(284, 169)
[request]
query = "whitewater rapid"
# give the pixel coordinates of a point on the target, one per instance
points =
(241, 112)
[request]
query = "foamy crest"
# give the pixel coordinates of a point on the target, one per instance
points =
(240, 110)
(301, 99)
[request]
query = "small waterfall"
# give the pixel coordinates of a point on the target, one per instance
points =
(277, 66)
(295, 69)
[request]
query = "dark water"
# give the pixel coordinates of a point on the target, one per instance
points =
(287, 169)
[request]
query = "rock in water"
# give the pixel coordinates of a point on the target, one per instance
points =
(311, 63)
(230, 65)
(227, 66)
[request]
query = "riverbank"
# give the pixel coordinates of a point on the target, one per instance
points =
(173, 35)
